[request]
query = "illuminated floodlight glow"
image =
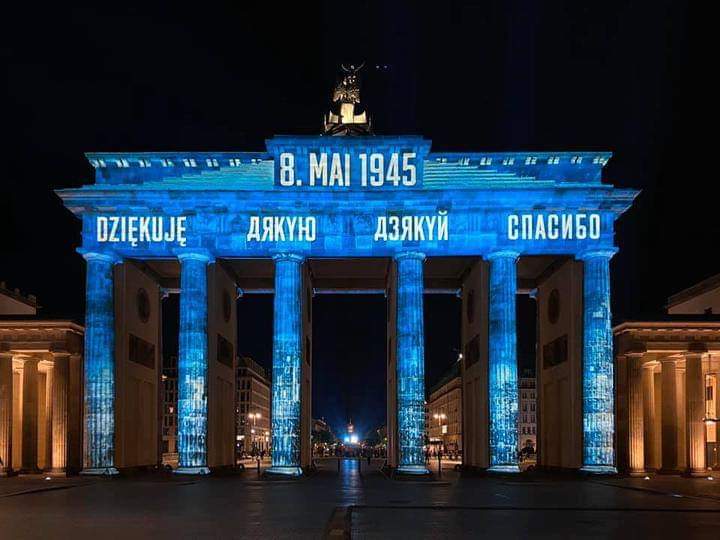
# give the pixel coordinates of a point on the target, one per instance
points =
(353, 439)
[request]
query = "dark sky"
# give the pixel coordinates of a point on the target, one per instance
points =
(491, 75)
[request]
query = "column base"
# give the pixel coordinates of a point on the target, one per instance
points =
(192, 470)
(414, 470)
(598, 469)
(100, 471)
(698, 473)
(4, 473)
(637, 473)
(282, 470)
(505, 469)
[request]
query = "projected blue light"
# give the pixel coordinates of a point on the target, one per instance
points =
(410, 363)
(502, 370)
(193, 364)
(287, 360)
(337, 197)
(598, 382)
(99, 454)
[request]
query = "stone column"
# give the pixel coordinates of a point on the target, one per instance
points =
(410, 363)
(6, 414)
(598, 377)
(287, 360)
(60, 412)
(99, 439)
(695, 412)
(193, 364)
(669, 416)
(636, 443)
(502, 368)
(30, 416)
(649, 438)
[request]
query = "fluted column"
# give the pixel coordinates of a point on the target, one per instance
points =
(30, 416)
(695, 412)
(6, 410)
(99, 439)
(287, 365)
(60, 412)
(193, 364)
(650, 437)
(410, 363)
(636, 444)
(502, 370)
(598, 377)
(669, 416)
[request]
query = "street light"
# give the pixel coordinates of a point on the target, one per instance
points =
(254, 417)
(440, 417)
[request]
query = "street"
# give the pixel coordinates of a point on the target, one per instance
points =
(359, 502)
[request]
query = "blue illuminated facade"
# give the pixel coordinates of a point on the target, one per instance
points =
(287, 360)
(502, 362)
(410, 363)
(598, 378)
(99, 436)
(193, 364)
(334, 197)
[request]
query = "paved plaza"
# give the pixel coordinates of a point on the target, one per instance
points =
(358, 502)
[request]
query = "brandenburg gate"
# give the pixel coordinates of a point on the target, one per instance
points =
(381, 212)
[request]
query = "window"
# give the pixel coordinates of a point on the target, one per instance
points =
(122, 163)
(508, 161)
(553, 160)
(166, 162)
(189, 162)
(211, 162)
(531, 160)
(144, 163)
(485, 161)
(235, 162)
(576, 160)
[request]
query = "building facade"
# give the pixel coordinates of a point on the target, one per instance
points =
(253, 408)
(527, 414)
(41, 390)
(444, 419)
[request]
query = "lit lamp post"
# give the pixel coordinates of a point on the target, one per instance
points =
(253, 417)
(440, 417)
(709, 421)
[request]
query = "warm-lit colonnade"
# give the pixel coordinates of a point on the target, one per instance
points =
(40, 396)
(667, 372)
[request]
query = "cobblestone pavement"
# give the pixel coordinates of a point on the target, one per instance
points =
(360, 502)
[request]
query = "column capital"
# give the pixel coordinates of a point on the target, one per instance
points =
(197, 254)
(100, 255)
(602, 253)
(409, 255)
(650, 364)
(288, 257)
(502, 254)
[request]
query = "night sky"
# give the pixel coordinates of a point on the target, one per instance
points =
(491, 75)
